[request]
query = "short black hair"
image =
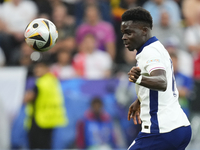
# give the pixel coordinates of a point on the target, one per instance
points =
(138, 14)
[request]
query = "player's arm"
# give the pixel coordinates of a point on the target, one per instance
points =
(156, 81)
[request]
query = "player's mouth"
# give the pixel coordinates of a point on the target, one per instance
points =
(126, 45)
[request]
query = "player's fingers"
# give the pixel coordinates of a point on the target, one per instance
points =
(134, 77)
(130, 80)
(134, 119)
(130, 73)
(134, 73)
(138, 69)
(138, 117)
(135, 69)
(129, 113)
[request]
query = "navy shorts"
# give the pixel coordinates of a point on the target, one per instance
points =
(177, 139)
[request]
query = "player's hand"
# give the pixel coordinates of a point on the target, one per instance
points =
(134, 112)
(134, 74)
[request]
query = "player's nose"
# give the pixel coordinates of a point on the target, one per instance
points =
(124, 37)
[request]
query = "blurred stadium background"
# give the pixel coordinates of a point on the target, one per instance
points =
(90, 66)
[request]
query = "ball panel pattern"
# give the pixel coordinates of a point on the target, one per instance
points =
(41, 34)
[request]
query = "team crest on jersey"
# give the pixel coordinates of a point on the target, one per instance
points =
(153, 61)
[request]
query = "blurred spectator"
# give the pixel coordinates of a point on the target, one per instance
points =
(184, 67)
(13, 23)
(63, 68)
(25, 61)
(44, 7)
(184, 84)
(102, 5)
(22, 56)
(95, 131)
(190, 8)
(166, 30)
(71, 5)
(103, 31)
(90, 62)
(155, 7)
(45, 109)
(65, 26)
(2, 58)
(118, 8)
(192, 40)
(126, 4)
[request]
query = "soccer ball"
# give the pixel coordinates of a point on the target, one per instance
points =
(41, 34)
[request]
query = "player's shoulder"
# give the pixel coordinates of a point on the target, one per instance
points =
(153, 52)
(154, 48)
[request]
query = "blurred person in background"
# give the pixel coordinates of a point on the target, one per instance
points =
(45, 108)
(13, 23)
(192, 40)
(95, 131)
(23, 56)
(63, 68)
(189, 9)
(65, 26)
(118, 8)
(155, 7)
(103, 6)
(183, 82)
(90, 62)
(103, 31)
(66, 32)
(166, 30)
(71, 5)
(44, 8)
(184, 67)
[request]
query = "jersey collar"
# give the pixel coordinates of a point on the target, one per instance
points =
(148, 42)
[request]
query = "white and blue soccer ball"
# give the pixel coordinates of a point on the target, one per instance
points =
(41, 34)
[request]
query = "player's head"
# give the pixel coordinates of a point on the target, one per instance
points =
(136, 25)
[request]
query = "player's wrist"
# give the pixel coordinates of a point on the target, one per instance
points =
(139, 80)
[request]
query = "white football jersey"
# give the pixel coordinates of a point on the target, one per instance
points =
(160, 111)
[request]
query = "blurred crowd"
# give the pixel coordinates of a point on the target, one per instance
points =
(89, 31)
(89, 45)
